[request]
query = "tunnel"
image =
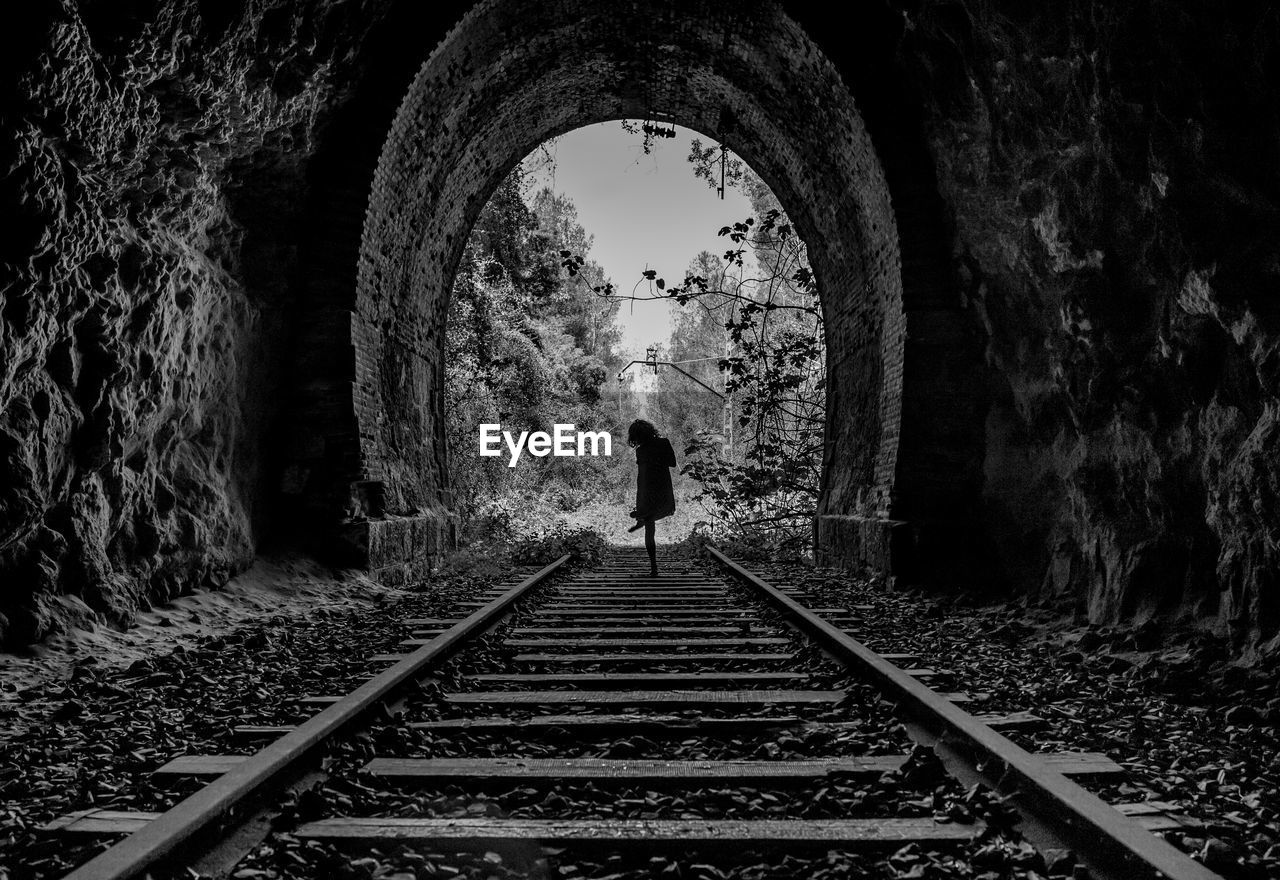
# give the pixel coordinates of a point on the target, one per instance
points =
(1002, 603)
(449, 145)
(1052, 365)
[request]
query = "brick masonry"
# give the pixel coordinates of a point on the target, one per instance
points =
(512, 74)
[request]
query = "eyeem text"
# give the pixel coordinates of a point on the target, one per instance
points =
(564, 440)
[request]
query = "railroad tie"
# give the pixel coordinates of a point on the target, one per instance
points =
(656, 630)
(590, 724)
(867, 835)
(849, 833)
(548, 612)
(637, 679)
(652, 772)
(646, 659)
(556, 642)
(731, 624)
(687, 699)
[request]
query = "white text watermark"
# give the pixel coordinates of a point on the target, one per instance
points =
(563, 441)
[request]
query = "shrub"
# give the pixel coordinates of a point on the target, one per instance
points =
(547, 545)
(494, 519)
(736, 548)
(488, 562)
(563, 497)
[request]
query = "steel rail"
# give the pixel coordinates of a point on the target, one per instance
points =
(162, 838)
(1111, 843)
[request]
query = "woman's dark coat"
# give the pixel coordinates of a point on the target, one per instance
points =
(654, 498)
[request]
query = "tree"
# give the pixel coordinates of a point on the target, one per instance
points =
(766, 483)
(764, 480)
(526, 347)
(697, 344)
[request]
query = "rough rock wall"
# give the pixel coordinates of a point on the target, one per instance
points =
(1111, 179)
(1113, 174)
(155, 154)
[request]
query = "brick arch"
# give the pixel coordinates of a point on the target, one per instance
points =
(512, 74)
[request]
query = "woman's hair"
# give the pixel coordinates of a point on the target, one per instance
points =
(641, 432)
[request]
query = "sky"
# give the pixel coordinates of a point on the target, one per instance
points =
(644, 211)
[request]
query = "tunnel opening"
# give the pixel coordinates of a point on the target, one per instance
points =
(634, 270)
(902, 450)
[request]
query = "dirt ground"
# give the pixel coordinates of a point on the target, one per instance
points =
(287, 585)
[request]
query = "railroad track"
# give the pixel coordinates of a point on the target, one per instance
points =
(702, 710)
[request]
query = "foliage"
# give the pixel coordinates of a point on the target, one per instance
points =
(494, 520)
(477, 561)
(526, 347)
(717, 166)
(732, 545)
(755, 313)
(544, 546)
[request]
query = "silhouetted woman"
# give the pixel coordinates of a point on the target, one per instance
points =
(654, 498)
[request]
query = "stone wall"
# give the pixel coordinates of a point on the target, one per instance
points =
(1112, 172)
(155, 159)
